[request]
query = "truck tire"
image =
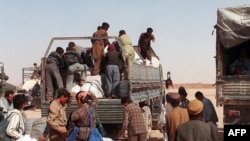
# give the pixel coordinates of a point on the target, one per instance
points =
(147, 119)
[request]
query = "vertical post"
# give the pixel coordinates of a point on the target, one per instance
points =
(43, 81)
(22, 75)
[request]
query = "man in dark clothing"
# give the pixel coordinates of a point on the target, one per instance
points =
(74, 63)
(183, 94)
(53, 76)
(112, 72)
(169, 81)
(209, 113)
(144, 44)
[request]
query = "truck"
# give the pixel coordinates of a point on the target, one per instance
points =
(31, 85)
(232, 90)
(3, 81)
(143, 84)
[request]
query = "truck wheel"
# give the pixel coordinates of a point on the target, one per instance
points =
(147, 119)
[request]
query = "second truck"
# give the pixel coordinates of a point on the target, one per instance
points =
(233, 87)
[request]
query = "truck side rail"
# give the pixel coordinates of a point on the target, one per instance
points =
(73, 38)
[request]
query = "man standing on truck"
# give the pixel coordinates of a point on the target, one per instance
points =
(53, 76)
(112, 72)
(98, 45)
(144, 44)
(133, 125)
(127, 44)
(74, 64)
(36, 72)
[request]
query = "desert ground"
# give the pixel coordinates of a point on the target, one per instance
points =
(207, 89)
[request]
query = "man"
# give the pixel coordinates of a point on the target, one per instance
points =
(57, 119)
(195, 129)
(36, 72)
(209, 114)
(183, 94)
(176, 116)
(80, 116)
(74, 63)
(127, 45)
(15, 128)
(241, 66)
(168, 81)
(98, 45)
(163, 127)
(144, 44)
(6, 103)
(53, 77)
(133, 123)
(112, 72)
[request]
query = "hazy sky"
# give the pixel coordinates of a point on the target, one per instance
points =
(182, 28)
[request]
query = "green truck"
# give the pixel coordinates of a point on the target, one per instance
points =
(144, 85)
(232, 90)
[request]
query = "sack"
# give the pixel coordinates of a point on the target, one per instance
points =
(107, 139)
(3, 126)
(3, 135)
(73, 134)
(77, 67)
(93, 88)
(101, 129)
(26, 138)
(95, 135)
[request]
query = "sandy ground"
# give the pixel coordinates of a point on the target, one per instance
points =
(208, 92)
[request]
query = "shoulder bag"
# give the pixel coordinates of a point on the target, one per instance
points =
(3, 126)
(94, 135)
(73, 134)
(100, 127)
